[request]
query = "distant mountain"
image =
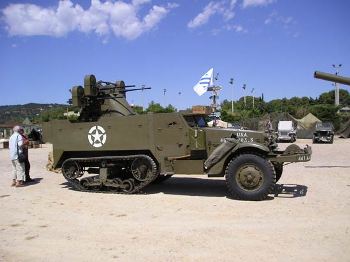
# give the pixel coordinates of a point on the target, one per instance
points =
(17, 113)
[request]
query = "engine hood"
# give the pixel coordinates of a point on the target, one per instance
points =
(244, 136)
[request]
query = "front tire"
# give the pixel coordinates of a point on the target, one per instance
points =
(250, 177)
(293, 139)
(278, 170)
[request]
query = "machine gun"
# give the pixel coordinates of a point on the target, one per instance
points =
(332, 78)
(101, 98)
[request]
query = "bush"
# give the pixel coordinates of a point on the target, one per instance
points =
(327, 113)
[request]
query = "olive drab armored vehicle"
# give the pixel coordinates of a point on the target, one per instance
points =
(110, 148)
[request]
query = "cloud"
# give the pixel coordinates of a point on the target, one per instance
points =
(222, 8)
(287, 23)
(274, 17)
(236, 28)
(229, 27)
(103, 18)
(254, 3)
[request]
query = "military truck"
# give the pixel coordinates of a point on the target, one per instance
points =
(324, 132)
(110, 148)
(286, 132)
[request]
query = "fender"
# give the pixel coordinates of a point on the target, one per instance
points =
(253, 145)
(215, 162)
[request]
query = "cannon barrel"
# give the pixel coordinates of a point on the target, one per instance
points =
(332, 77)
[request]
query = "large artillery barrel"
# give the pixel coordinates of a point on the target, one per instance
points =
(332, 78)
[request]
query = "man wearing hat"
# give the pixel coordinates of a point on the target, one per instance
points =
(15, 144)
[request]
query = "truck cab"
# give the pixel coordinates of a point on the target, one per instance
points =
(286, 132)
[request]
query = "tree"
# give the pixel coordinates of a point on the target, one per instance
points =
(157, 108)
(328, 97)
(138, 110)
(327, 113)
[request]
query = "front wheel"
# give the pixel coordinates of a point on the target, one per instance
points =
(278, 170)
(250, 177)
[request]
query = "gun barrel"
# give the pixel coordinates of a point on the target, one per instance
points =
(135, 89)
(332, 77)
(113, 86)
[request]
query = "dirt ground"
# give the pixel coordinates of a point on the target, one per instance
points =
(187, 218)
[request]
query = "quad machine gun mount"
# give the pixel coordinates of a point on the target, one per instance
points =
(100, 98)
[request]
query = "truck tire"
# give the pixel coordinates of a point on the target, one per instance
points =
(278, 170)
(250, 177)
(293, 139)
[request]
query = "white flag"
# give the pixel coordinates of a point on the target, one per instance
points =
(206, 80)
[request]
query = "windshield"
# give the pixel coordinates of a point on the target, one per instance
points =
(324, 125)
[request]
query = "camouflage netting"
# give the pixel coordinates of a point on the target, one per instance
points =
(259, 123)
(345, 130)
(305, 126)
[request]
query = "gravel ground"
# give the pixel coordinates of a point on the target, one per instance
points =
(187, 218)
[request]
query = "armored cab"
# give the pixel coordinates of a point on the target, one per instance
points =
(111, 148)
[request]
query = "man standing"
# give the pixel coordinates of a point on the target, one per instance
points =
(15, 144)
(25, 145)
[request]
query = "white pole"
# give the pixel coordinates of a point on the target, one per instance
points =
(336, 94)
(231, 82)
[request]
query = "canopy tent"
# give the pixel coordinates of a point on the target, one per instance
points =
(345, 132)
(306, 125)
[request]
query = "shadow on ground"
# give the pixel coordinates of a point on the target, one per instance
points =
(290, 190)
(208, 187)
(34, 181)
(189, 186)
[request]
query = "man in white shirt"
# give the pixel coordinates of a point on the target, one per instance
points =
(15, 144)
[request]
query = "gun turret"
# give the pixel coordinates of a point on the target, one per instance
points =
(100, 98)
(332, 78)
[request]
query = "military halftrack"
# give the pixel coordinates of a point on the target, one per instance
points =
(111, 148)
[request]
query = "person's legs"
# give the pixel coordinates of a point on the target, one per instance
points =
(27, 170)
(19, 173)
(14, 173)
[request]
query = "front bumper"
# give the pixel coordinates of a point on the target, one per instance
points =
(293, 153)
(323, 138)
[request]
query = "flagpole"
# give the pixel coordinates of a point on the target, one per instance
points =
(245, 101)
(231, 82)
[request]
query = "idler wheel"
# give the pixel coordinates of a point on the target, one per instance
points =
(141, 169)
(71, 170)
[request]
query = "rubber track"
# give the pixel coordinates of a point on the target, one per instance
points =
(75, 183)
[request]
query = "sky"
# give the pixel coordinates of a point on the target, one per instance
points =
(272, 46)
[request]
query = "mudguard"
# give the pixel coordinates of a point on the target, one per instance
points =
(230, 145)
